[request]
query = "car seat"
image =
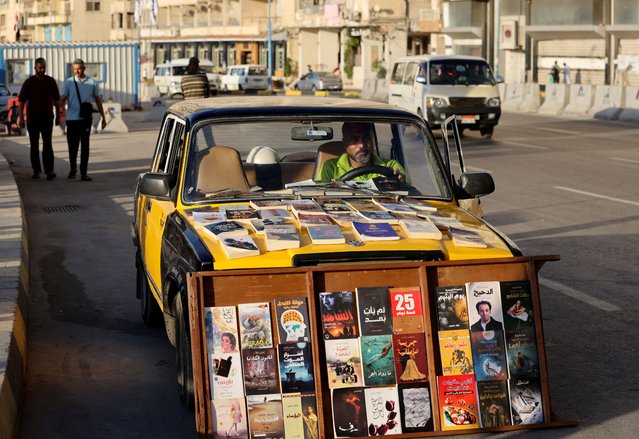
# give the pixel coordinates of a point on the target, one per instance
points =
(221, 168)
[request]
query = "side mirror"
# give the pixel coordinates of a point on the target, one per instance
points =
(499, 79)
(420, 79)
(475, 184)
(156, 185)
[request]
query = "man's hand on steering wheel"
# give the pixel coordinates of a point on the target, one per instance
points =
(374, 169)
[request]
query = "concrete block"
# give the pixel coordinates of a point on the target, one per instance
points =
(580, 100)
(555, 100)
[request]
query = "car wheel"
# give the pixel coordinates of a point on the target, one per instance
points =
(486, 133)
(149, 308)
(184, 357)
(313, 89)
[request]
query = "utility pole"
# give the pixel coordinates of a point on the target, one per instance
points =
(268, 48)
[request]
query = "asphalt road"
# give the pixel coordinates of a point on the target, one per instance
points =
(563, 187)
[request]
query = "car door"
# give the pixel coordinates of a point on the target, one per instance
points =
(154, 212)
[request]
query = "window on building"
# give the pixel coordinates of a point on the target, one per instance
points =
(93, 6)
(513, 7)
(130, 20)
(464, 13)
(567, 12)
(117, 21)
(17, 71)
(626, 12)
(2, 20)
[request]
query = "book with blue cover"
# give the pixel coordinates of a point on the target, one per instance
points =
(489, 355)
(374, 231)
(377, 360)
(330, 234)
(296, 367)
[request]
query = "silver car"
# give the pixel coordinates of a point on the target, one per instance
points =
(319, 81)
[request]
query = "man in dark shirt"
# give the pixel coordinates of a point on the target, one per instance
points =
(485, 322)
(41, 93)
(195, 83)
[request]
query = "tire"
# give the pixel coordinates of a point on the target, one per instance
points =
(487, 132)
(149, 308)
(184, 359)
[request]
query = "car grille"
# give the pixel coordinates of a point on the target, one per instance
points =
(467, 102)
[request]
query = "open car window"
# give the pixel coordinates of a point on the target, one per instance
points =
(257, 156)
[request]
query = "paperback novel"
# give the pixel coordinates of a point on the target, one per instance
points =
(292, 319)
(489, 355)
(309, 416)
(525, 401)
(229, 418)
(518, 306)
(373, 304)
(339, 317)
(409, 352)
(457, 402)
(260, 371)
(494, 403)
(455, 351)
(382, 411)
(406, 310)
(484, 306)
(239, 247)
(292, 412)
(296, 367)
(221, 329)
(281, 237)
(452, 308)
(255, 325)
(349, 412)
(377, 360)
(343, 363)
(325, 234)
(265, 416)
(382, 231)
(226, 229)
(415, 406)
(225, 376)
(521, 351)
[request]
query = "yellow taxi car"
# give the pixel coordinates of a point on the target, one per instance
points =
(261, 182)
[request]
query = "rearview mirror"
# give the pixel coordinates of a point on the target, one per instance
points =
(311, 133)
(156, 185)
(475, 184)
(420, 79)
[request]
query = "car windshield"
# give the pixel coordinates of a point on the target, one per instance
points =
(256, 158)
(462, 72)
(4, 91)
(257, 71)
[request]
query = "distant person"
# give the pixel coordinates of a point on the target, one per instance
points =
(485, 322)
(41, 95)
(554, 72)
(78, 89)
(566, 74)
(578, 77)
(195, 83)
(309, 69)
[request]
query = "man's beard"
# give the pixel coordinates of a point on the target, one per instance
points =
(362, 157)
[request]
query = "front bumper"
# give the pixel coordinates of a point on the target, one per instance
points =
(473, 118)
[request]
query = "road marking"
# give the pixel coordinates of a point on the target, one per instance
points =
(591, 194)
(624, 160)
(557, 130)
(473, 168)
(133, 168)
(526, 145)
(576, 294)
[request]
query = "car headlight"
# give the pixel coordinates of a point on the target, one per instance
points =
(493, 102)
(436, 102)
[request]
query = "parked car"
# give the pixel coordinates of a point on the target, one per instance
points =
(245, 77)
(168, 76)
(315, 81)
(212, 155)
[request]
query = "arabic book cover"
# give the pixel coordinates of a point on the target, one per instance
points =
(292, 319)
(381, 231)
(343, 363)
(309, 416)
(334, 205)
(415, 407)
(381, 216)
(391, 205)
(373, 304)
(455, 351)
(349, 412)
(306, 206)
(489, 355)
(241, 215)
(521, 352)
(458, 402)
(296, 367)
(281, 237)
(345, 219)
(409, 352)
(267, 204)
(226, 229)
(331, 234)
(406, 310)
(265, 416)
(255, 325)
(221, 329)
(525, 401)
(420, 229)
(517, 304)
(260, 371)
(494, 403)
(305, 220)
(377, 360)
(463, 237)
(229, 418)
(292, 412)
(225, 376)
(339, 316)
(239, 247)
(451, 307)
(382, 411)
(484, 302)
(277, 214)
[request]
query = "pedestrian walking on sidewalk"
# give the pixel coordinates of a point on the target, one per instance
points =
(566, 74)
(41, 96)
(79, 90)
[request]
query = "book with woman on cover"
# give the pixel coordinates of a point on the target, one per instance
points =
(292, 412)
(229, 418)
(411, 364)
(339, 316)
(221, 329)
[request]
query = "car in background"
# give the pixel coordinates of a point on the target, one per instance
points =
(245, 77)
(5, 95)
(317, 81)
(168, 76)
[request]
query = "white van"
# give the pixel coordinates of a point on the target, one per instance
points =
(245, 77)
(168, 76)
(438, 86)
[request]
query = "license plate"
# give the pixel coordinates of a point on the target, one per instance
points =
(467, 119)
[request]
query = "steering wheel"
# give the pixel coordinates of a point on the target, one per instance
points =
(369, 169)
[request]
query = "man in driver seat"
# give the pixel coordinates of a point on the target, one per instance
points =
(359, 146)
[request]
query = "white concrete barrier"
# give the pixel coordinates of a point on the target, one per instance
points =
(368, 89)
(532, 98)
(381, 91)
(630, 112)
(113, 116)
(156, 113)
(555, 100)
(581, 99)
(608, 103)
(513, 98)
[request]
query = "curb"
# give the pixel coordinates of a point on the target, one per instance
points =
(14, 287)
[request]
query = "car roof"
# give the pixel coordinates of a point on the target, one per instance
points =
(199, 109)
(439, 58)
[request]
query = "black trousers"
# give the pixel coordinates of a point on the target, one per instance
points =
(36, 128)
(78, 132)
